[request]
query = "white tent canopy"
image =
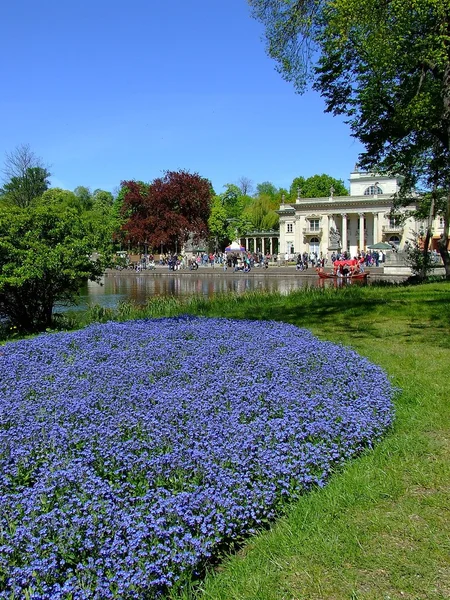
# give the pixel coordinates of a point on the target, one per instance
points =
(235, 247)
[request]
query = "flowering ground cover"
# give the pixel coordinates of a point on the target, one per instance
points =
(130, 451)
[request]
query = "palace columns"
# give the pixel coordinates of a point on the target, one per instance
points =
(344, 232)
(381, 217)
(361, 232)
(325, 237)
(375, 228)
(298, 240)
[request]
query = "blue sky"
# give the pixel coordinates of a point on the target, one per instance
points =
(105, 91)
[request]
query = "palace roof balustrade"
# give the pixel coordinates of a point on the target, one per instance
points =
(313, 230)
(391, 228)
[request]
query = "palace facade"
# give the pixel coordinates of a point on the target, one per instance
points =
(347, 223)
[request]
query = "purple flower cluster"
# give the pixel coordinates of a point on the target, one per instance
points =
(130, 451)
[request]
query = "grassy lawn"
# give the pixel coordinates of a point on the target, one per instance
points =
(381, 528)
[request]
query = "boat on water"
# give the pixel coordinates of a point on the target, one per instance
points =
(349, 269)
(351, 276)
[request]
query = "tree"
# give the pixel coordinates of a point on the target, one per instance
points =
(235, 204)
(168, 211)
(245, 185)
(231, 200)
(103, 221)
(44, 258)
(267, 188)
(25, 177)
(395, 91)
(261, 214)
(385, 66)
(84, 196)
(419, 258)
(102, 197)
(63, 198)
(317, 186)
(101, 215)
(219, 224)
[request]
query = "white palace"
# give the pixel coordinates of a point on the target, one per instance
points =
(350, 223)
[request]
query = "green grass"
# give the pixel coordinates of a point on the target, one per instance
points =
(381, 528)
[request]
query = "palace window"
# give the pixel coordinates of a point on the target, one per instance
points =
(441, 222)
(373, 190)
(314, 224)
(394, 240)
(394, 222)
(314, 245)
(289, 227)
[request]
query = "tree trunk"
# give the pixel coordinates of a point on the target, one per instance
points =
(443, 242)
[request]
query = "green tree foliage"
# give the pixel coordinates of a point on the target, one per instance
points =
(219, 223)
(232, 200)
(385, 66)
(234, 210)
(100, 214)
(317, 186)
(45, 254)
(292, 28)
(261, 213)
(25, 177)
(84, 196)
(419, 259)
(60, 197)
(21, 191)
(266, 188)
(102, 198)
(103, 222)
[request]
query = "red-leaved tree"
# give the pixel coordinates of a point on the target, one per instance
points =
(166, 212)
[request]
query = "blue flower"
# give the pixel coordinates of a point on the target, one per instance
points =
(129, 452)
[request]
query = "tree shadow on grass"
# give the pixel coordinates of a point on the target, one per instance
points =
(363, 317)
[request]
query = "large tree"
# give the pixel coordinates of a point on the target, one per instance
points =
(261, 213)
(317, 186)
(385, 66)
(45, 254)
(168, 211)
(100, 214)
(245, 185)
(221, 227)
(25, 177)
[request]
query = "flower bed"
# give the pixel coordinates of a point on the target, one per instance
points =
(130, 451)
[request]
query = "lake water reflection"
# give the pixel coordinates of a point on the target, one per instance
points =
(115, 288)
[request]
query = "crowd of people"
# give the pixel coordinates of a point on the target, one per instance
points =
(245, 261)
(307, 260)
(371, 258)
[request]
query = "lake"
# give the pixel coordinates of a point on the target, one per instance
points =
(117, 286)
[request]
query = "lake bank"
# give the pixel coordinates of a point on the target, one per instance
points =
(138, 287)
(379, 529)
(272, 271)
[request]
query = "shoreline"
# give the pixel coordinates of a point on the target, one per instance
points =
(375, 273)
